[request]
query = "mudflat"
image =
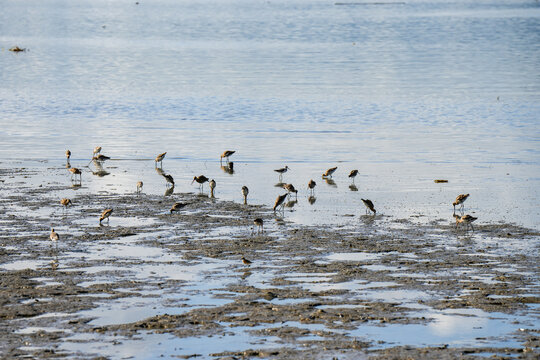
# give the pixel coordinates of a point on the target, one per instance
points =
(176, 284)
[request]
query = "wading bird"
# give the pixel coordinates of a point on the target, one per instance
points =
(259, 223)
(212, 185)
(68, 155)
(226, 155)
(245, 192)
(311, 185)
(65, 202)
(246, 261)
(139, 187)
(177, 207)
(54, 235)
(280, 201)
(105, 215)
(200, 180)
(465, 219)
(369, 206)
(281, 172)
(159, 159)
(290, 188)
(75, 171)
(460, 200)
(353, 174)
(329, 172)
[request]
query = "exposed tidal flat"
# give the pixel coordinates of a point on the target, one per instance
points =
(151, 283)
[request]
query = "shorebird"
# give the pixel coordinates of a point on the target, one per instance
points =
(212, 185)
(68, 155)
(54, 235)
(245, 192)
(226, 154)
(465, 219)
(353, 174)
(169, 179)
(177, 207)
(159, 158)
(105, 215)
(259, 223)
(460, 200)
(65, 202)
(75, 171)
(369, 206)
(280, 200)
(201, 180)
(290, 188)
(329, 172)
(246, 261)
(311, 185)
(281, 172)
(139, 187)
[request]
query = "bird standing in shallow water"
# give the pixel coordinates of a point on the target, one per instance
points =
(139, 187)
(159, 159)
(259, 223)
(290, 188)
(281, 172)
(246, 261)
(105, 215)
(169, 179)
(245, 192)
(65, 202)
(200, 180)
(226, 154)
(280, 201)
(54, 235)
(75, 171)
(68, 155)
(460, 200)
(329, 172)
(369, 205)
(212, 185)
(311, 185)
(465, 219)
(97, 150)
(353, 174)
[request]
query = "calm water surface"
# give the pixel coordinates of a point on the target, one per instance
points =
(406, 93)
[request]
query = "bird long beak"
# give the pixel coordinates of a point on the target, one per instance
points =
(192, 181)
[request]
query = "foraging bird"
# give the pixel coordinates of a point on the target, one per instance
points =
(281, 171)
(105, 215)
(226, 154)
(353, 174)
(369, 205)
(212, 185)
(245, 192)
(290, 188)
(201, 180)
(159, 158)
(280, 201)
(75, 171)
(465, 219)
(68, 154)
(460, 200)
(329, 172)
(139, 187)
(54, 235)
(177, 207)
(97, 150)
(311, 185)
(65, 202)
(259, 223)
(246, 261)
(169, 179)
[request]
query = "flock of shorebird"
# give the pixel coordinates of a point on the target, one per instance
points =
(258, 222)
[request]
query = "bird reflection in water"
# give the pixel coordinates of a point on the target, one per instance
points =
(312, 199)
(228, 168)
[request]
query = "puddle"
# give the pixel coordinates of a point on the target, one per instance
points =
(455, 327)
(148, 345)
(352, 256)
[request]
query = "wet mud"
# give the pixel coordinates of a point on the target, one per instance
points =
(307, 293)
